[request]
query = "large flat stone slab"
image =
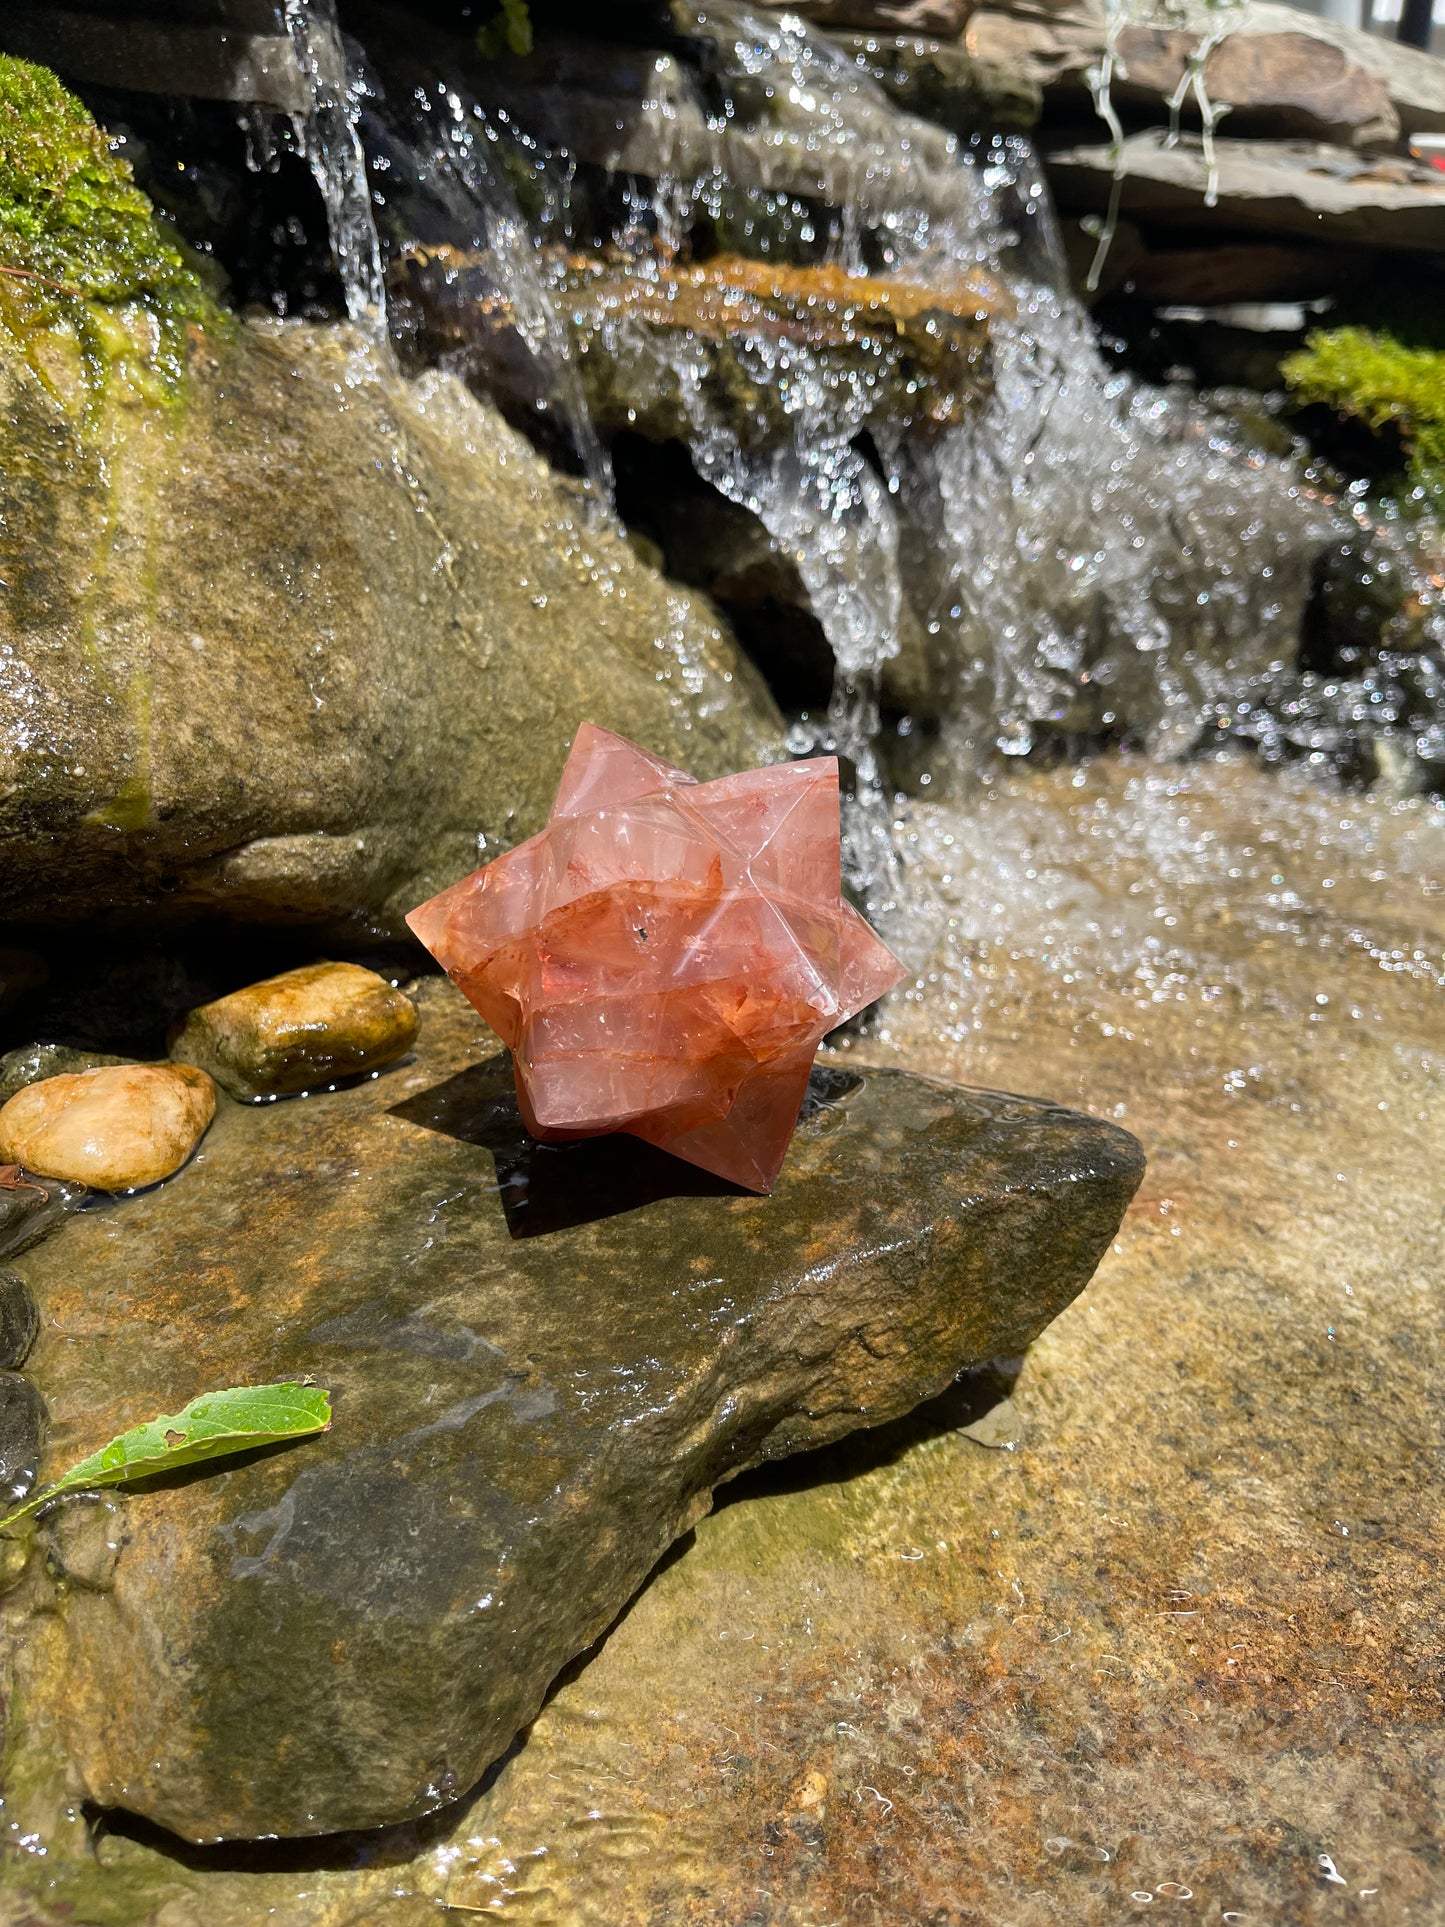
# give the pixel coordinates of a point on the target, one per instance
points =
(1280, 71)
(1279, 188)
(542, 1360)
(1414, 80)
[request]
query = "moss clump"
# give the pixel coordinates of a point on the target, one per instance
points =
(1373, 378)
(79, 243)
(509, 31)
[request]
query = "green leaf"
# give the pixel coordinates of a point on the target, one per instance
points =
(210, 1427)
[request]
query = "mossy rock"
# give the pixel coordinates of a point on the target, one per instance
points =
(1376, 379)
(81, 248)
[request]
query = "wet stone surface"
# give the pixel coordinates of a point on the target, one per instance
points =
(1174, 1632)
(31, 1209)
(19, 1320)
(542, 1359)
(22, 1435)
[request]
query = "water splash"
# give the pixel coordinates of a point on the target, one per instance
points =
(451, 144)
(825, 508)
(1114, 558)
(327, 136)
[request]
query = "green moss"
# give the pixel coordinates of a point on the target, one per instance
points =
(509, 31)
(80, 245)
(1375, 379)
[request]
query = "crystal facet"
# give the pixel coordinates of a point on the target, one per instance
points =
(666, 956)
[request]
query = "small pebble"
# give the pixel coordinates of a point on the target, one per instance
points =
(19, 1320)
(298, 1032)
(23, 1424)
(116, 1129)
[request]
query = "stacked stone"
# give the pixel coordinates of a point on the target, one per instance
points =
(1322, 174)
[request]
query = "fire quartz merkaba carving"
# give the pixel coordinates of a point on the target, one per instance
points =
(666, 956)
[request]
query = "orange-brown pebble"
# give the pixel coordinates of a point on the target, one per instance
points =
(117, 1128)
(299, 1032)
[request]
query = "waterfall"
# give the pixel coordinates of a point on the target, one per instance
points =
(451, 143)
(1113, 554)
(327, 136)
(825, 508)
(1062, 552)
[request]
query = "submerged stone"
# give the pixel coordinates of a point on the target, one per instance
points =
(22, 1437)
(31, 1209)
(19, 1320)
(117, 1128)
(299, 1031)
(656, 339)
(542, 1360)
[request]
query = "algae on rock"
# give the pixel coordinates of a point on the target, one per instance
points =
(1375, 379)
(80, 244)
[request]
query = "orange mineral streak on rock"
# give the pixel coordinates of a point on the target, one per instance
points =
(666, 956)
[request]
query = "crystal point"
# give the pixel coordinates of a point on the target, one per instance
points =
(667, 955)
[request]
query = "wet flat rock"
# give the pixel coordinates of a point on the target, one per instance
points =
(543, 1359)
(1285, 189)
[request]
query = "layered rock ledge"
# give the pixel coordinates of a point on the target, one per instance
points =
(543, 1360)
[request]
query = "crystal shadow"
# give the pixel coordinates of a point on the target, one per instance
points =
(554, 1187)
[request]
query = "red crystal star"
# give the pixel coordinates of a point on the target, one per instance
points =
(666, 956)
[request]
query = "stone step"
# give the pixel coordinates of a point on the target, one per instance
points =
(1283, 189)
(216, 50)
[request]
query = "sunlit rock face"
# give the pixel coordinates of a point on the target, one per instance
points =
(542, 1358)
(666, 957)
(290, 649)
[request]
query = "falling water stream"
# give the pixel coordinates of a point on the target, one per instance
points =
(1081, 557)
(327, 136)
